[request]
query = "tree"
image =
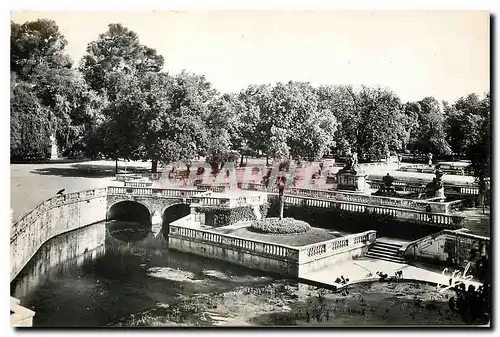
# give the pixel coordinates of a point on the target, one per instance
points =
(291, 123)
(116, 51)
(463, 122)
(183, 133)
(340, 101)
(39, 61)
(29, 124)
(34, 43)
(222, 128)
(381, 122)
(428, 135)
(115, 58)
(122, 128)
(479, 149)
(252, 102)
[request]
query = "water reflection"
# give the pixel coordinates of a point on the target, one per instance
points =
(69, 285)
(128, 231)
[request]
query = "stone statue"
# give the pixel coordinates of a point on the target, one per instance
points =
(439, 177)
(53, 148)
(351, 164)
(354, 160)
(436, 187)
(388, 180)
(281, 182)
(387, 189)
(350, 177)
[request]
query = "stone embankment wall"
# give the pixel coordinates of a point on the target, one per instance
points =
(54, 217)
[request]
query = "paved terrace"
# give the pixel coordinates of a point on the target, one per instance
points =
(365, 269)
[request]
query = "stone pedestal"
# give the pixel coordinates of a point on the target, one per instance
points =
(351, 181)
(53, 148)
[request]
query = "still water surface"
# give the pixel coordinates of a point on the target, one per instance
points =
(113, 281)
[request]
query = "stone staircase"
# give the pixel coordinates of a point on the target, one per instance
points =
(385, 250)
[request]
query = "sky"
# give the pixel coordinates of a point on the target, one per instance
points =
(444, 54)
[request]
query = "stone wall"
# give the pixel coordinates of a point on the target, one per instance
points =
(453, 248)
(61, 251)
(54, 217)
(234, 255)
(274, 258)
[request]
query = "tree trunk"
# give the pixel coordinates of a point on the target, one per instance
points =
(241, 160)
(282, 204)
(267, 160)
(154, 166)
(116, 166)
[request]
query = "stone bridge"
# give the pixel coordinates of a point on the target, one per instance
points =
(156, 201)
(148, 206)
(155, 207)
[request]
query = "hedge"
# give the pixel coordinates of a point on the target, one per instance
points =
(219, 217)
(277, 226)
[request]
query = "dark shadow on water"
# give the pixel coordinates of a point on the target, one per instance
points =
(87, 171)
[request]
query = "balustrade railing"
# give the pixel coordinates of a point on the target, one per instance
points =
(255, 246)
(327, 248)
(420, 210)
(138, 183)
(21, 224)
(418, 187)
(420, 205)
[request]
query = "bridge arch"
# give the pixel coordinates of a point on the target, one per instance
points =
(172, 213)
(128, 220)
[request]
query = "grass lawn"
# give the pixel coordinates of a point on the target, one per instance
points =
(315, 235)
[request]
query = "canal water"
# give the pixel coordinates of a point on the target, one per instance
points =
(116, 279)
(87, 278)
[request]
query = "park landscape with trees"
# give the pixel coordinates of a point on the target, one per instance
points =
(118, 103)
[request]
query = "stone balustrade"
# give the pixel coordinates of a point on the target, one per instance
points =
(406, 209)
(418, 187)
(53, 217)
(280, 252)
(54, 202)
(335, 246)
(138, 183)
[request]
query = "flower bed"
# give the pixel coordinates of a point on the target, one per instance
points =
(277, 226)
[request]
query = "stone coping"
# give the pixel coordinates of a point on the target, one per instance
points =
(19, 314)
(357, 270)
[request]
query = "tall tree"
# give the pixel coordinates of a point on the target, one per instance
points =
(29, 123)
(115, 58)
(117, 51)
(381, 122)
(39, 61)
(252, 104)
(292, 124)
(469, 132)
(35, 43)
(341, 102)
(223, 132)
(178, 109)
(463, 122)
(428, 135)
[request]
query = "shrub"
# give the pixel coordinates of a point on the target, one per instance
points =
(277, 226)
(219, 217)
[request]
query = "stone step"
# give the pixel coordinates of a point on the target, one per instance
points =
(390, 247)
(384, 250)
(389, 244)
(375, 255)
